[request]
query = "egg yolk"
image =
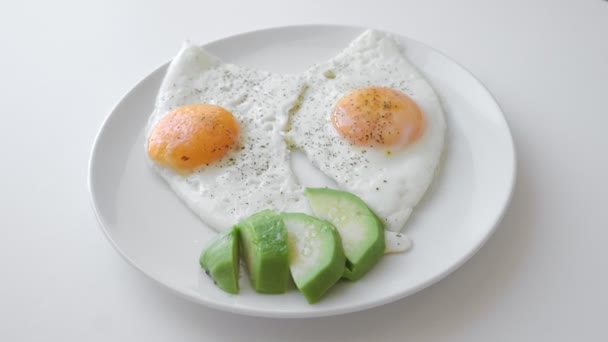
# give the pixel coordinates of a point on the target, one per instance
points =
(378, 116)
(193, 136)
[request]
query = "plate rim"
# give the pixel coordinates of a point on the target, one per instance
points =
(331, 311)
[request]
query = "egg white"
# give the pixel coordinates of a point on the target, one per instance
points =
(252, 177)
(390, 180)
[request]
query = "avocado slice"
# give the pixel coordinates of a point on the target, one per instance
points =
(361, 231)
(221, 261)
(263, 240)
(316, 257)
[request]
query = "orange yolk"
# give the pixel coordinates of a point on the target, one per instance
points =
(378, 116)
(193, 136)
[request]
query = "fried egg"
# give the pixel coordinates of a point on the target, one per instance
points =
(214, 137)
(371, 122)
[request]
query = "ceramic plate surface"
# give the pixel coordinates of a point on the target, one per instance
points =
(156, 233)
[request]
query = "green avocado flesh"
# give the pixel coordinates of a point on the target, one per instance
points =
(221, 261)
(316, 257)
(362, 233)
(264, 246)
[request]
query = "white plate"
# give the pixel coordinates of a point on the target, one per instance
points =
(156, 233)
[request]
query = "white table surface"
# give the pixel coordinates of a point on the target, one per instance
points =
(542, 276)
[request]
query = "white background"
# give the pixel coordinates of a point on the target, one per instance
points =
(542, 276)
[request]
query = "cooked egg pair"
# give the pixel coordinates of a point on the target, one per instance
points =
(366, 119)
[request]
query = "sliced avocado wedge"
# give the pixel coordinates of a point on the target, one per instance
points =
(264, 246)
(362, 233)
(221, 261)
(316, 257)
